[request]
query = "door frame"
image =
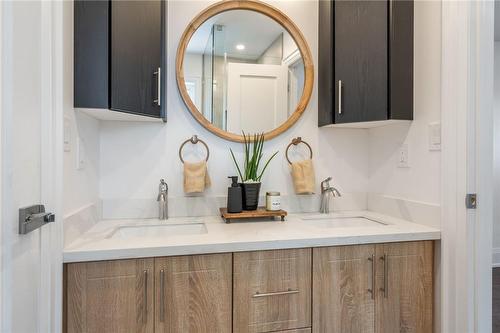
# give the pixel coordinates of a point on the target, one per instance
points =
(51, 236)
(1, 164)
(467, 165)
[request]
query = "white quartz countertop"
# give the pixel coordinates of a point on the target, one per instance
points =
(101, 242)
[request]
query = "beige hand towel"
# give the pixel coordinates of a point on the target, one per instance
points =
(303, 177)
(196, 177)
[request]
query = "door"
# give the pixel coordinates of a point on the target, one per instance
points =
(405, 297)
(194, 293)
(110, 296)
(343, 289)
(257, 97)
(136, 50)
(467, 116)
(31, 86)
(361, 61)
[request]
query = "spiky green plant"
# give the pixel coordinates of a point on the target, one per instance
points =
(253, 158)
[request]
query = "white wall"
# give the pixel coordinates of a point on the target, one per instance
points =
(81, 187)
(135, 156)
(413, 192)
(496, 156)
(132, 157)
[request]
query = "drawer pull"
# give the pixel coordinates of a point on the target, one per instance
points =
(277, 293)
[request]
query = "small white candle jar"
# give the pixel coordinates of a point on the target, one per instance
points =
(273, 201)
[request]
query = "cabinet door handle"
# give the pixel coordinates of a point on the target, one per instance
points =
(145, 308)
(162, 295)
(372, 289)
(286, 292)
(340, 96)
(386, 277)
(157, 101)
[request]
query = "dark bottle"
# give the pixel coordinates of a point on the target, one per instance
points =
(234, 204)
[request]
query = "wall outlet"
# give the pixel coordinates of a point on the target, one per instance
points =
(80, 154)
(403, 158)
(435, 136)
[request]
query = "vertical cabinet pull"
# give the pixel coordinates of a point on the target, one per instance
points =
(162, 295)
(372, 289)
(157, 101)
(340, 96)
(386, 277)
(145, 308)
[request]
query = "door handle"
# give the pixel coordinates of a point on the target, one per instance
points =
(157, 101)
(385, 289)
(145, 309)
(340, 96)
(372, 289)
(33, 217)
(162, 296)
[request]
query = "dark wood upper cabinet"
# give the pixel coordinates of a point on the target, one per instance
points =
(91, 56)
(119, 56)
(365, 62)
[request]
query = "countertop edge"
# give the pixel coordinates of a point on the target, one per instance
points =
(180, 250)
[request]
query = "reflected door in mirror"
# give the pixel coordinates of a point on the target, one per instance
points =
(256, 97)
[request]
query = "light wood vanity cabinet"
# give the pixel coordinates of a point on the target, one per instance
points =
(406, 303)
(342, 289)
(381, 288)
(374, 288)
(189, 294)
(110, 296)
(272, 290)
(193, 293)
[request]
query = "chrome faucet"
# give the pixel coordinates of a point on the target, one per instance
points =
(327, 191)
(162, 200)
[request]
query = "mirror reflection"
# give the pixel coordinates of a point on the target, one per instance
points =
(244, 72)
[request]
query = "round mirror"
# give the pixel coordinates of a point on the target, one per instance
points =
(243, 66)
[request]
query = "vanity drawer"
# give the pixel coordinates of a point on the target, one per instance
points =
(272, 291)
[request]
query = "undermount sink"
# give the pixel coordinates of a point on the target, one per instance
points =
(342, 222)
(158, 230)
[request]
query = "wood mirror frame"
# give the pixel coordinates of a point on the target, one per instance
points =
(280, 18)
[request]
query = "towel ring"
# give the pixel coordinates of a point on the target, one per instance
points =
(194, 140)
(295, 142)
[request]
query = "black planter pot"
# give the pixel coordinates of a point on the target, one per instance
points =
(250, 195)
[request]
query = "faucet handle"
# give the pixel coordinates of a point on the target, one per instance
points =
(326, 183)
(163, 187)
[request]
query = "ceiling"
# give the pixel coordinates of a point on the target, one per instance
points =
(255, 31)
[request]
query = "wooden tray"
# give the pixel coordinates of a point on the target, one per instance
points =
(250, 214)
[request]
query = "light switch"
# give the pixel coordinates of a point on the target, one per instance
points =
(80, 154)
(67, 134)
(435, 136)
(403, 158)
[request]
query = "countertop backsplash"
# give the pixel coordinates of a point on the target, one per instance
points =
(119, 208)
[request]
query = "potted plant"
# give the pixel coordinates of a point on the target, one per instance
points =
(250, 178)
